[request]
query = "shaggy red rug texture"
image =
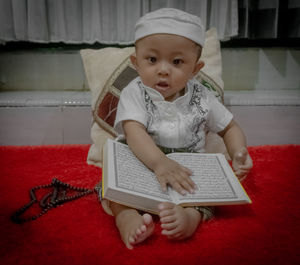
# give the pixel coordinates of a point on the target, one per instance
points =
(79, 232)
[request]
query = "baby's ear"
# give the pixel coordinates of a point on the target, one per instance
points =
(199, 65)
(133, 60)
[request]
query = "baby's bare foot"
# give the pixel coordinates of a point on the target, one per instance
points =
(133, 227)
(177, 222)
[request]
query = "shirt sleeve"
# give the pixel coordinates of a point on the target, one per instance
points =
(219, 116)
(130, 107)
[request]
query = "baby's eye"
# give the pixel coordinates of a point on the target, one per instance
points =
(177, 61)
(152, 59)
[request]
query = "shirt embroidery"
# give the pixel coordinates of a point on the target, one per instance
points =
(197, 98)
(150, 106)
(194, 128)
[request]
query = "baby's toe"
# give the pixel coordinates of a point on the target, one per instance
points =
(147, 218)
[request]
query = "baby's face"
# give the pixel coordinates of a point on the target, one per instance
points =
(165, 62)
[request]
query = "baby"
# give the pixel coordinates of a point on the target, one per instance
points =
(166, 109)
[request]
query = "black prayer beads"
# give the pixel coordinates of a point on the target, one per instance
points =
(58, 195)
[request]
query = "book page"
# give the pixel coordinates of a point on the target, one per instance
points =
(209, 176)
(134, 176)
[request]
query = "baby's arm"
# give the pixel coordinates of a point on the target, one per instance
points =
(236, 145)
(166, 170)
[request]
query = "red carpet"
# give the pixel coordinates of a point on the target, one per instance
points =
(78, 232)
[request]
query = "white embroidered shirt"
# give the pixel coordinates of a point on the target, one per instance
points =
(182, 123)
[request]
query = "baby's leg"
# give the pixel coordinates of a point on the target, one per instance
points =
(133, 227)
(178, 222)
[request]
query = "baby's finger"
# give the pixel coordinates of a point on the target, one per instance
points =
(163, 184)
(192, 184)
(241, 170)
(187, 170)
(241, 173)
(187, 186)
(176, 186)
(246, 166)
(186, 177)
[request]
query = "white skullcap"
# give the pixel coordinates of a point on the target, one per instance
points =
(170, 21)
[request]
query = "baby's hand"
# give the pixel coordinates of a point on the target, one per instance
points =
(177, 176)
(242, 163)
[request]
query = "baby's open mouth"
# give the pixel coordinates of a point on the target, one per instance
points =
(162, 85)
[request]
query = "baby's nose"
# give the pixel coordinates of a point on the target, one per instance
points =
(164, 68)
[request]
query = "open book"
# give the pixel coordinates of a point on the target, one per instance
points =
(126, 180)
